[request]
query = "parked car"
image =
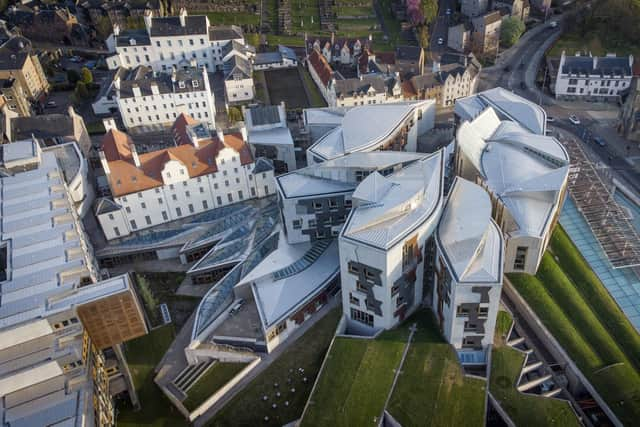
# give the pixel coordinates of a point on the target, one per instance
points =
(553, 24)
(51, 104)
(448, 11)
(573, 119)
(601, 142)
(551, 119)
(440, 40)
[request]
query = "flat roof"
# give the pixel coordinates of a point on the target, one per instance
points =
(30, 377)
(274, 136)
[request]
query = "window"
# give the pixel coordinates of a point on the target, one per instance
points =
(143, 205)
(240, 196)
(111, 217)
(483, 311)
(165, 216)
(133, 224)
(187, 193)
(266, 189)
(128, 209)
(573, 81)
(174, 197)
(230, 197)
(147, 218)
(160, 200)
(312, 223)
(521, 258)
(116, 231)
(219, 200)
(178, 211)
(191, 210)
(469, 326)
(317, 206)
(204, 205)
(253, 192)
(353, 300)
(202, 189)
(362, 317)
(361, 287)
(347, 203)
(297, 224)
(462, 311)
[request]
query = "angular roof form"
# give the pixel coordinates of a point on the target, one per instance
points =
(525, 170)
(388, 208)
(339, 175)
(507, 105)
(469, 239)
(363, 128)
(321, 67)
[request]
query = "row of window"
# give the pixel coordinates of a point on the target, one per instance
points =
(463, 311)
(607, 83)
(167, 116)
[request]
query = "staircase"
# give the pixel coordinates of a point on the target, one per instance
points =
(192, 373)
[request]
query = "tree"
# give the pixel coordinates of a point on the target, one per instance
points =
(235, 114)
(81, 92)
(104, 27)
(86, 76)
(73, 76)
(510, 32)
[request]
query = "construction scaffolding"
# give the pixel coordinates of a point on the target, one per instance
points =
(611, 223)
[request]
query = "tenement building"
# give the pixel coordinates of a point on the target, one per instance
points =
(172, 41)
(393, 127)
(593, 78)
(202, 171)
(386, 241)
(53, 320)
(145, 97)
(526, 176)
(468, 268)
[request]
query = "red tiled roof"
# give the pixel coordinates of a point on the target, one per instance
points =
(386, 58)
(115, 145)
(125, 178)
(321, 67)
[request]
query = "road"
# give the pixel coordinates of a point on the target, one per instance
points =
(440, 28)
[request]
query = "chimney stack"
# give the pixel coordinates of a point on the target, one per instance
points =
(134, 154)
(183, 17)
(116, 30)
(109, 123)
(105, 163)
(148, 19)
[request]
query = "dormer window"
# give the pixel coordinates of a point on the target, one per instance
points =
(194, 83)
(181, 84)
(132, 42)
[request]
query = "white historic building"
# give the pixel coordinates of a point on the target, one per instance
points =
(524, 173)
(145, 97)
(172, 41)
(386, 241)
(593, 78)
(392, 127)
(468, 268)
(200, 173)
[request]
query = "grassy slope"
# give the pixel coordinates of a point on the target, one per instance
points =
(525, 410)
(216, 376)
(577, 325)
(248, 408)
(572, 42)
(432, 389)
(143, 354)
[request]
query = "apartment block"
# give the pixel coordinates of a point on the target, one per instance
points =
(145, 97)
(19, 61)
(172, 41)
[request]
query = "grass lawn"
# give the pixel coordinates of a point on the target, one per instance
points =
(216, 376)
(294, 41)
(95, 128)
(596, 295)
(354, 10)
(503, 324)
(231, 18)
(573, 311)
(596, 43)
(248, 408)
(301, 13)
(391, 23)
(143, 354)
(524, 409)
(432, 389)
(316, 97)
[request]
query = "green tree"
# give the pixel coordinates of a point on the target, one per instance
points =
(81, 93)
(73, 76)
(235, 115)
(104, 27)
(510, 32)
(86, 76)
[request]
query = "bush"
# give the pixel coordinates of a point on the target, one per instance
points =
(85, 76)
(510, 31)
(81, 92)
(235, 115)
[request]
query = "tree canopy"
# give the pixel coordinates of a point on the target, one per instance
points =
(510, 31)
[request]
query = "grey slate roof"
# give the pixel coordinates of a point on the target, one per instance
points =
(348, 87)
(140, 36)
(267, 58)
(170, 26)
(143, 77)
(237, 65)
(264, 115)
(220, 32)
(608, 65)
